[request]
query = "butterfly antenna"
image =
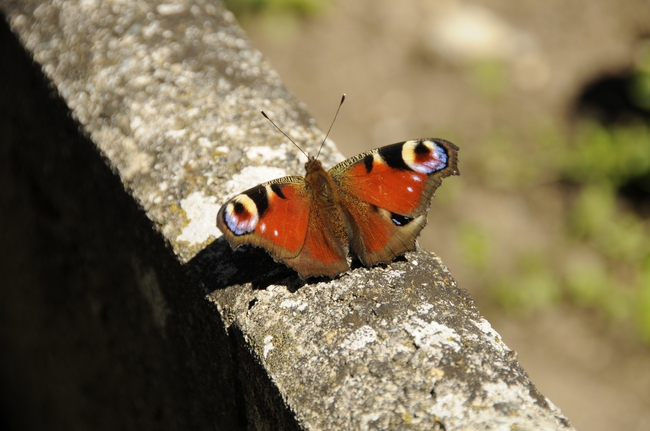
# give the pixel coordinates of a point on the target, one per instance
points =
(328, 130)
(287, 136)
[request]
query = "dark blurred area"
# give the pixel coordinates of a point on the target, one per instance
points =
(87, 340)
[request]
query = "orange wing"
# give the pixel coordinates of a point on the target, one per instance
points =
(280, 217)
(386, 194)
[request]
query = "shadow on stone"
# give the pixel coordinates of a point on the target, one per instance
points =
(218, 266)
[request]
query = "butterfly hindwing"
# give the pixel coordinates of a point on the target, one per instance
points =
(386, 194)
(323, 252)
(377, 235)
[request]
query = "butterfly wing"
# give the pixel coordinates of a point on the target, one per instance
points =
(280, 217)
(386, 194)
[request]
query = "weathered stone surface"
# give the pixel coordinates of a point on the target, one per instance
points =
(394, 348)
(170, 96)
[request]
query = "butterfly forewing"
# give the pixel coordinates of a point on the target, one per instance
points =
(401, 178)
(273, 215)
(387, 192)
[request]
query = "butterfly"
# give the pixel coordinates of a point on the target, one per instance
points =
(373, 205)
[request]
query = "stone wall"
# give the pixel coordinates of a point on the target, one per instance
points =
(124, 126)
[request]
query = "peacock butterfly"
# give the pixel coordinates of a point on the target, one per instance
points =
(373, 205)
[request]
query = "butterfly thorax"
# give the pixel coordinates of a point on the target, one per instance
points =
(320, 182)
(325, 196)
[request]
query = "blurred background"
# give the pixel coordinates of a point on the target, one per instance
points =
(548, 225)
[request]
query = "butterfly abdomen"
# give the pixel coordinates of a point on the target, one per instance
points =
(325, 201)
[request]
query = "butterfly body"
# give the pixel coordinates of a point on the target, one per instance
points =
(373, 205)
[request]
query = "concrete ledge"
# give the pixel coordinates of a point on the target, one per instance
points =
(124, 310)
(394, 348)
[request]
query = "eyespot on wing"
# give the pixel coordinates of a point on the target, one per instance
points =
(425, 156)
(240, 215)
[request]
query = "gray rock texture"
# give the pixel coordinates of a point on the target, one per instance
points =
(123, 308)
(394, 348)
(164, 91)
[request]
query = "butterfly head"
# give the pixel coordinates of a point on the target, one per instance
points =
(313, 164)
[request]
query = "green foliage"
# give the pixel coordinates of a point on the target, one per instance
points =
(592, 284)
(600, 161)
(305, 7)
(616, 233)
(532, 285)
(601, 256)
(643, 302)
(476, 246)
(608, 155)
(640, 88)
(489, 77)
(278, 20)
